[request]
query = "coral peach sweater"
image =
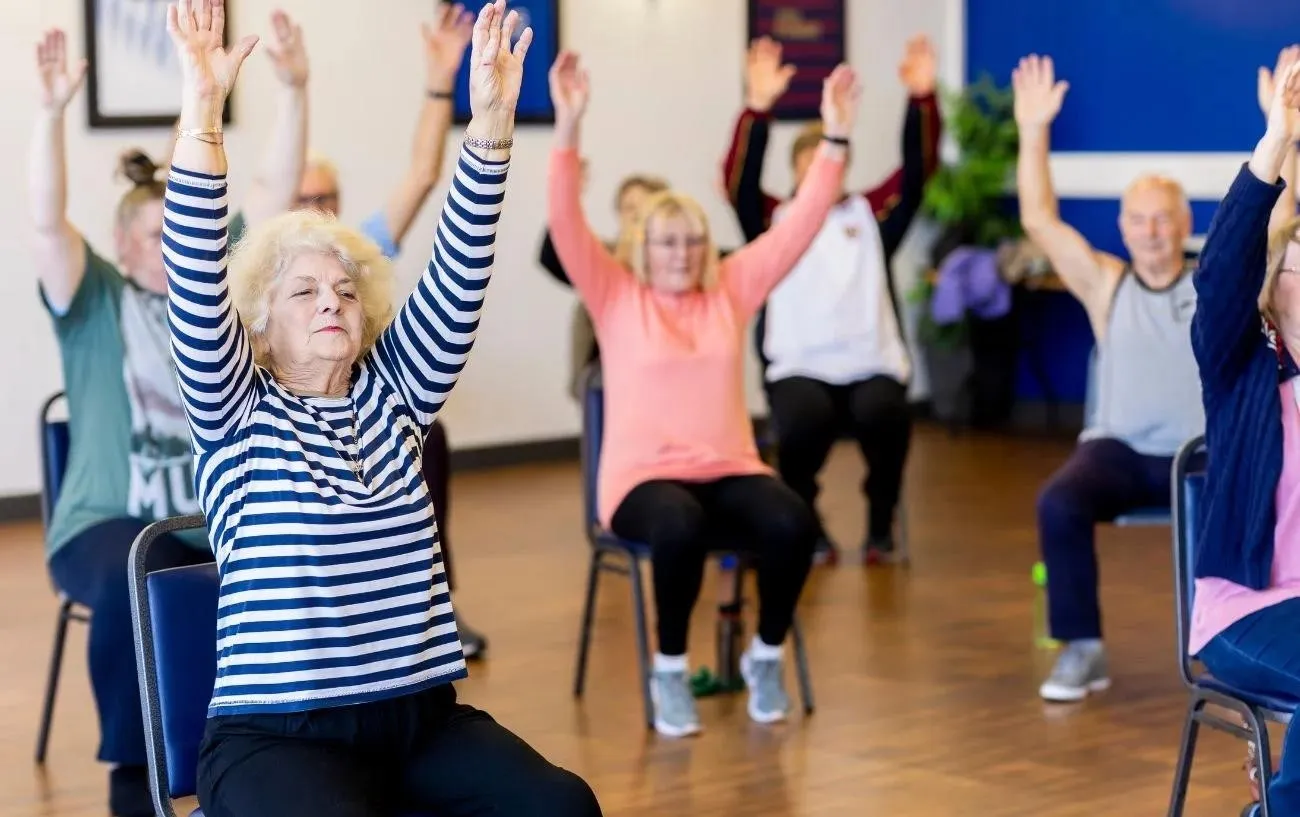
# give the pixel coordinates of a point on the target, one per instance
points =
(673, 364)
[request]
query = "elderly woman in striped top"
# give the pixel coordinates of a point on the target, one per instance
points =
(336, 638)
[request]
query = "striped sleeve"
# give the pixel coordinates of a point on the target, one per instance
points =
(422, 352)
(213, 358)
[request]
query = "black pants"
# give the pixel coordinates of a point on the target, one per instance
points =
(1101, 480)
(421, 752)
(810, 415)
(92, 570)
(682, 521)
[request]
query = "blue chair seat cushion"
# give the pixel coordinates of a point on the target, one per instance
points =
(1272, 703)
(1146, 516)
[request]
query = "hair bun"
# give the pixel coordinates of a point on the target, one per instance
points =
(136, 166)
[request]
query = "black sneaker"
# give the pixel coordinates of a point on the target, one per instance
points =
(880, 551)
(128, 792)
(825, 552)
(472, 642)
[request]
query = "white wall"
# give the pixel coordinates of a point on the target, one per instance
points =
(666, 88)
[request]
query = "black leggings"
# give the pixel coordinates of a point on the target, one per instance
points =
(422, 752)
(682, 521)
(92, 570)
(810, 415)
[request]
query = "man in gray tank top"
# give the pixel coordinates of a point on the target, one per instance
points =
(1148, 394)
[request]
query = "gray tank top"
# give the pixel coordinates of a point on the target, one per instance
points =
(1147, 387)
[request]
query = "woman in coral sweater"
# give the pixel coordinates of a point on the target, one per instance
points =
(679, 456)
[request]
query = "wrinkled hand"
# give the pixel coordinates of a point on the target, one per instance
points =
(444, 44)
(840, 95)
(766, 79)
(197, 29)
(58, 84)
(1266, 88)
(287, 51)
(570, 87)
(1038, 94)
(919, 69)
(495, 70)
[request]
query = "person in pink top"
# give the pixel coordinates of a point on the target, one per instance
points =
(679, 460)
(1246, 602)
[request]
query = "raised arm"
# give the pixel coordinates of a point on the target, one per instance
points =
(766, 79)
(444, 47)
(213, 358)
(1266, 89)
(898, 200)
(752, 271)
(1232, 265)
(1091, 276)
(275, 187)
(57, 248)
(592, 269)
(423, 351)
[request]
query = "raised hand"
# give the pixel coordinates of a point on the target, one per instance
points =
(444, 44)
(766, 79)
(1266, 88)
(1038, 94)
(287, 52)
(840, 95)
(197, 29)
(495, 69)
(58, 84)
(919, 68)
(1284, 109)
(570, 88)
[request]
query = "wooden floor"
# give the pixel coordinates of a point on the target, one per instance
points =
(925, 678)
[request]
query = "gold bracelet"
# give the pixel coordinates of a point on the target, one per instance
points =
(489, 144)
(199, 133)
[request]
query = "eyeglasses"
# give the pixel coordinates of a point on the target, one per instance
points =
(321, 201)
(690, 242)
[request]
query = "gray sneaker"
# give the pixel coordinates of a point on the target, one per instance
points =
(768, 701)
(675, 714)
(1080, 669)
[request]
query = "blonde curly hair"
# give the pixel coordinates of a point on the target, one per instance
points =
(262, 256)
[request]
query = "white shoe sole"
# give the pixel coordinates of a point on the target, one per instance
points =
(1065, 695)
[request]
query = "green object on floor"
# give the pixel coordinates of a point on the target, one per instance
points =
(705, 684)
(1040, 574)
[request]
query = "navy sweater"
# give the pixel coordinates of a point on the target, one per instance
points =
(1241, 368)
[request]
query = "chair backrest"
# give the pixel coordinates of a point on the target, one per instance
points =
(1188, 486)
(592, 389)
(55, 445)
(174, 614)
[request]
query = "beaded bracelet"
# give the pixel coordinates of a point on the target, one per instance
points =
(489, 144)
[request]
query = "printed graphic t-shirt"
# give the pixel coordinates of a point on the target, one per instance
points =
(130, 449)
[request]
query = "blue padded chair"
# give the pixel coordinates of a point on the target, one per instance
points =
(1255, 710)
(610, 553)
(174, 617)
(54, 463)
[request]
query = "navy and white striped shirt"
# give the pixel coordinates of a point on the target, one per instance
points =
(332, 583)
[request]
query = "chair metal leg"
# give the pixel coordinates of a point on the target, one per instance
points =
(1186, 753)
(801, 666)
(588, 614)
(52, 681)
(642, 642)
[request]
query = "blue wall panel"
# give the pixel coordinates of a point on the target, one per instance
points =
(1145, 75)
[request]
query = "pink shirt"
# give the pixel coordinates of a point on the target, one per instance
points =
(1219, 603)
(673, 365)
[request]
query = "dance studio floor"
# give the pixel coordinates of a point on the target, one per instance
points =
(926, 679)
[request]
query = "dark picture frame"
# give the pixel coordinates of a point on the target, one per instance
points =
(534, 106)
(814, 38)
(134, 79)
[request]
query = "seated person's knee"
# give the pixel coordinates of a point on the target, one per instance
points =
(1056, 501)
(565, 794)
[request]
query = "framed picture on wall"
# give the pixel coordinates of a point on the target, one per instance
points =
(134, 79)
(543, 16)
(813, 39)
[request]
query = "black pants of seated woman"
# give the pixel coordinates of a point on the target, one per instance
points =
(422, 753)
(810, 415)
(681, 521)
(92, 570)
